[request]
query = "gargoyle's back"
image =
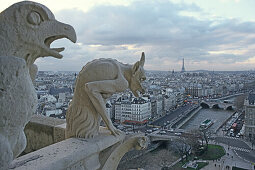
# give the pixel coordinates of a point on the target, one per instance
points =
(99, 69)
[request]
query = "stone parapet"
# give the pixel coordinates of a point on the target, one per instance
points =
(102, 152)
(42, 131)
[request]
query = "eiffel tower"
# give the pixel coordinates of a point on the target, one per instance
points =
(183, 68)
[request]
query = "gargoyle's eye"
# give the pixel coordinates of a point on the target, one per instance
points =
(143, 79)
(34, 18)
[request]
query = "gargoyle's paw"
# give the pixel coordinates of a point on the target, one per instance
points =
(116, 132)
(91, 136)
(81, 135)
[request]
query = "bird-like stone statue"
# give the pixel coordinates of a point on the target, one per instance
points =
(27, 30)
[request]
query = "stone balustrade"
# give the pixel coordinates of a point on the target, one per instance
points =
(102, 152)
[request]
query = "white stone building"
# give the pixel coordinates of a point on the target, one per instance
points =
(132, 110)
(169, 101)
(159, 105)
(109, 110)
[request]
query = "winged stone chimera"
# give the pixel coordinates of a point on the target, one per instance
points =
(96, 82)
(26, 31)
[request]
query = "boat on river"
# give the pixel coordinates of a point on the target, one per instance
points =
(206, 124)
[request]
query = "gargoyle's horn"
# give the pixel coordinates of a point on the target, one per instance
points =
(142, 60)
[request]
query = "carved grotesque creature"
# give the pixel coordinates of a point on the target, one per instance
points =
(96, 82)
(26, 31)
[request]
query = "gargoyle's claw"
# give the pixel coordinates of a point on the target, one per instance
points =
(116, 132)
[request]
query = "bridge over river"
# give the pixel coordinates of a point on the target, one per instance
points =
(168, 136)
(217, 105)
(157, 137)
(222, 102)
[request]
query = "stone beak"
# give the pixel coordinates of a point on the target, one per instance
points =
(57, 30)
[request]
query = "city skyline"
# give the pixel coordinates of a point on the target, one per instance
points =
(210, 35)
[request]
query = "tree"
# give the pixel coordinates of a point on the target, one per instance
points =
(206, 134)
(195, 138)
(182, 146)
(191, 142)
(198, 137)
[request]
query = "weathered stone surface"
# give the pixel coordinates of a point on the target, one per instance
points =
(42, 131)
(73, 153)
(96, 82)
(59, 132)
(137, 142)
(27, 30)
(102, 152)
(18, 102)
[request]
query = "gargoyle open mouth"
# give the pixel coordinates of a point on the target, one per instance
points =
(54, 51)
(60, 31)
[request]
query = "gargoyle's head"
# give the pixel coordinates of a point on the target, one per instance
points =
(142, 143)
(28, 29)
(138, 76)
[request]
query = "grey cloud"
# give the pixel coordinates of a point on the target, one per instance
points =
(143, 22)
(158, 29)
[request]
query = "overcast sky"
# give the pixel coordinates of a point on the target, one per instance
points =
(209, 34)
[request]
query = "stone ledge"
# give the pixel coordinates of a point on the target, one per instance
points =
(42, 131)
(103, 152)
(73, 153)
(50, 121)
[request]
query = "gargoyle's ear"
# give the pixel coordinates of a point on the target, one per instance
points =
(138, 64)
(135, 67)
(142, 60)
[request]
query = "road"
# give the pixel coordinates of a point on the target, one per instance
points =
(234, 142)
(248, 156)
(171, 116)
(240, 147)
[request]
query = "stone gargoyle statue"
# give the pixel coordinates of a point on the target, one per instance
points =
(26, 31)
(96, 82)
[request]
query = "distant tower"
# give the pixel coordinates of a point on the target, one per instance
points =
(183, 68)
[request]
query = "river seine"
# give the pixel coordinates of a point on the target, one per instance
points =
(218, 116)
